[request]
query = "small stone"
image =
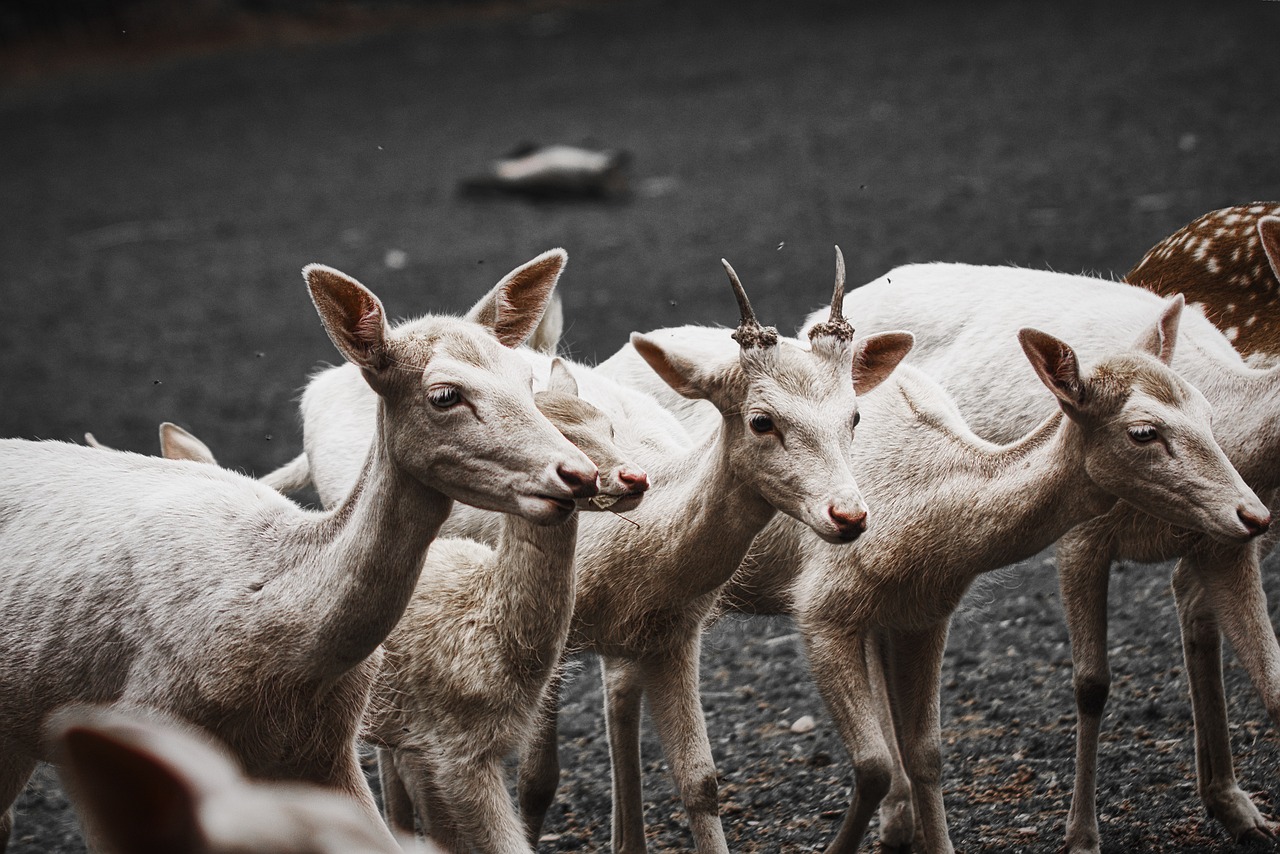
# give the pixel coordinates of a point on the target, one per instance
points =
(803, 724)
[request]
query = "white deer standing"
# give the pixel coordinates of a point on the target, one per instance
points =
(139, 581)
(465, 671)
(965, 316)
(950, 506)
(785, 425)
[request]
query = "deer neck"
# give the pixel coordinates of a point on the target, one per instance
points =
(367, 554)
(1036, 489)
(704, 524)
(533, 573)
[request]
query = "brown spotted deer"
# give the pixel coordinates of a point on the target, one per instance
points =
(966, 316)
(191, 589)
(1226, 264)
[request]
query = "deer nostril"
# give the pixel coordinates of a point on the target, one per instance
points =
(635, 481)
(848, 522)
(581, 484)
(1255, 525)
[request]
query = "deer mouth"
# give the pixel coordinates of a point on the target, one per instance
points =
(565, 504)
(612, 502)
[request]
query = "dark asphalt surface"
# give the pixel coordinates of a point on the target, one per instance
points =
(156, 215)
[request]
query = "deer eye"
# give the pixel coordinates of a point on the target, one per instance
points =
(857, 417)
(761, 424)
(1143, 434)
(443, 397)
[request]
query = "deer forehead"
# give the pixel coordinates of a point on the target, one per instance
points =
(468, 355)
(798, 374)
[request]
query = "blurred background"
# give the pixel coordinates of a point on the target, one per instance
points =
(167, 169)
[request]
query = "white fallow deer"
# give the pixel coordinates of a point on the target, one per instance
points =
(1227, 264)
(134, 580)
(146, 784)
(784, 428)
(965, 316)
(464, 672)
(949, 506)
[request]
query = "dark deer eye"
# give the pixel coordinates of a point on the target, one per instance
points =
(761, 423)
(443, 397)
(1143, 434)
(857, 417)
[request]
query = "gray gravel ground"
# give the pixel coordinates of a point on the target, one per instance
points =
(157, 211)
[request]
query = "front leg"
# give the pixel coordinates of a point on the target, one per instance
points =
(539, 768)
(915, 668)
(1084, 574)
(622, 694)
(671, 684)
(899, 827)
(1238, 594)
(397, 805)
(845, 668)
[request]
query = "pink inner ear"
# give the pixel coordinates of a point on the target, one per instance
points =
(368, 328)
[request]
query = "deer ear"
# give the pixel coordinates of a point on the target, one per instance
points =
(514, 308)
(875, 357)
(1160, 338)
(1269, 231)
(561, 380)
(351, 314)
(126, 792)
(178, 444)
(1056, 365)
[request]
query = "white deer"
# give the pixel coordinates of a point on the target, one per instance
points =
(950, 506)
(785, 415)
(965, 316)
(465, 670)
(146, 783)
(191, 589)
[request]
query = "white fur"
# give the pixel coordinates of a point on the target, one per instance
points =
(191, 589)
(964, 318)
(645, 590)
(466, 670)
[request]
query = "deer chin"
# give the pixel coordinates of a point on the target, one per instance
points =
(545, 509)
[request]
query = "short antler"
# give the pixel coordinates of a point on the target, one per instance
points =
(835, 326)
(749, 333)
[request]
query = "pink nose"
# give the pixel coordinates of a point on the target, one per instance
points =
(850, 526)
(634, 480)
(581, 483)
(1256, 526)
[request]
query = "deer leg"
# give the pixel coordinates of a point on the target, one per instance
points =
(1225, 593)
(396, 803)
(622, 695)
(1084, 568)
(915, 668)
(539, 769)
(479, 808)
(844, 669)
(899, 828)
(435, 814)
(671, 685)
